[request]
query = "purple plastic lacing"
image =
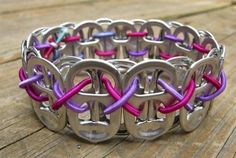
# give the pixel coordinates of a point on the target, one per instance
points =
(130, 92)
(133, 88)
(79, 108)
(30, 80)
(127, 95)
(34, 94)
(137, 53)
(116, 95)
(174, 93)
(104, 34)
(143, 52)
(173, 38)
(111, 108)
(43, 46)
(137, 35)
(216, 93)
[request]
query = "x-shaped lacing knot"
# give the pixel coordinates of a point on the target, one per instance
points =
(64, 97)
(26, 84)
(184, 100)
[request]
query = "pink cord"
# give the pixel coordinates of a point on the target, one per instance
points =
(212, 80)
(71, 39)
(105, 53)
(136, 34)
(48, 51)
(114, 93)
(30, 90)
(77, 88)
(200, 48)
(166, 55)
(180, 104)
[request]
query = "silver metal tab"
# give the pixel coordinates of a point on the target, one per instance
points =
(149, 125)
(97, 127)
(53, 120)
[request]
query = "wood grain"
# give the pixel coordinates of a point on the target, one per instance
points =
(9, 6)
(22, 135)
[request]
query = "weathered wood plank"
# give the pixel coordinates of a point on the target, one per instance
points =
(43, 139)
(17, 117)
(43, 142)
(9, 6)
(229, 148)
(15, 26)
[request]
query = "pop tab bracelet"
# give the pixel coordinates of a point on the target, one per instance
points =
(106, 77)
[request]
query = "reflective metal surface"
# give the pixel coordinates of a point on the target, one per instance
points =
(122, 51)
(54, 120)
(97, 127)
(149, 98)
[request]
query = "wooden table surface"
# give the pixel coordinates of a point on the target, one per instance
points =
(22, 134)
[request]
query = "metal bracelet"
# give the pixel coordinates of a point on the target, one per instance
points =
(107, 76)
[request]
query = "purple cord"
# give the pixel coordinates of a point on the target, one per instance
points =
(131, 90)
(137, 53)
(104, 34)
(173, 38)
(30, 90)
(30, 80)
(127, 95)
(174, 93)
(218, 92)
(69, 104)
(43, 46)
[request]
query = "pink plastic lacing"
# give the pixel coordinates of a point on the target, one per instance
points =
(34, 94)
(49, 51)
(78, 87)
(74, 90)
(105, 53)
(188, 95)
(136, 34)
(200, 48)
(116, 95)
